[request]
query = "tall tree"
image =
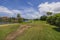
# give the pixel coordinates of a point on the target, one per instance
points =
(19, 18)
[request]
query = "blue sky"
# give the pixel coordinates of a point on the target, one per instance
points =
(27, 8)
(20, 4)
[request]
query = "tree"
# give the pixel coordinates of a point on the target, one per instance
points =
(55, 19)
(43, 18)
(9, 19)
(49, 13)
(19, 18)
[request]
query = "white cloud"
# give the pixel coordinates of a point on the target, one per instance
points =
(28, 13)
(16, 11)
(31, 13)
(5, 10)
(30, 3)
(8, 11)
(51, 7)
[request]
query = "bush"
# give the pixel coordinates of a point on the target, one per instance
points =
(43, 18)
(49, 19)
(58, 21)
(55, 19)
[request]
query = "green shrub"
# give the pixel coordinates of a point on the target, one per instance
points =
(55, 19)
(58, 21)
(43, 18)
(49, 19)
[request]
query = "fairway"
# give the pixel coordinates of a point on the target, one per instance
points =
(40, 30)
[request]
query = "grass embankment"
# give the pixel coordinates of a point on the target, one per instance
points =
(40, 31)
(5, 29)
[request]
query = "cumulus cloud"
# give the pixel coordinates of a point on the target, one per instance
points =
(49, 7)
(8, 11)
(31, 13)
(28, 13)
(5, 10)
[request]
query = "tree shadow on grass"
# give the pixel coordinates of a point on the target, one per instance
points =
(57, 29)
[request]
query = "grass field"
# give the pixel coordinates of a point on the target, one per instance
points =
(5, 29)
(40, 31)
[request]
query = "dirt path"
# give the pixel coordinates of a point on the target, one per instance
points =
(19, 31)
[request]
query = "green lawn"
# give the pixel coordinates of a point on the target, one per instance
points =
(5, 29)
(40, 31)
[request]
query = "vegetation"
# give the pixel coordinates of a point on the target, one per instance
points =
(49, 13)
(51, 19)
(6, 29)
(17, 19)
(40, 31)
(43, 18)
(55, 19)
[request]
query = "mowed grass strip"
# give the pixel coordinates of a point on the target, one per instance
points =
(5, 29)
(40, 30)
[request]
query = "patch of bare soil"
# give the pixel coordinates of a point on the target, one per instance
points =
(16, 33)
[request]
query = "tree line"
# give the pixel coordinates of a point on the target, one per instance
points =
(17, 19)
(51, 18)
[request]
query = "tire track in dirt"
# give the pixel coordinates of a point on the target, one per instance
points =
(16, 33)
